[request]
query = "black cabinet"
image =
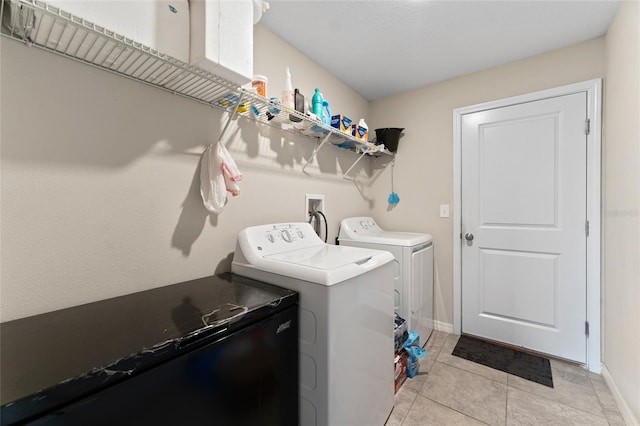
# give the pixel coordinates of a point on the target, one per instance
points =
(240, 369)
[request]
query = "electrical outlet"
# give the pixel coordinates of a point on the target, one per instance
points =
(444, 210)
(313, 202)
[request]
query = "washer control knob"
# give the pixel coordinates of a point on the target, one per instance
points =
(300, 234)
(286, 235)
(363, 224)
(270, 237)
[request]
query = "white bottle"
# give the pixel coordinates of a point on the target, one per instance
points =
(363, 131)
(287, 94)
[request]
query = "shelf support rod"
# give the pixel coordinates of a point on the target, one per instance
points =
(344, 175)
(231, 117)
(315, 151)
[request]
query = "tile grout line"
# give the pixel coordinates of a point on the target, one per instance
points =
(509, 387)
(506, 405)
(593, 388)
(604, 416)
(431, 355)
(419, 394)
(471, 372)
(409, 409)
(476, 374)
(429, 351)
(453, 409)
(439, 348)
(466, 371)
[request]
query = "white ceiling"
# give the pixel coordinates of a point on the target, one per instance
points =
(382, 47)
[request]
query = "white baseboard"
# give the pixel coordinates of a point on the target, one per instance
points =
(443, 326)
(625, 410)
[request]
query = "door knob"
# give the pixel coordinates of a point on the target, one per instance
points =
(468, 236)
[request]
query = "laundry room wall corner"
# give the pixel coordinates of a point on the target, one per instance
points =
(621, 211)
(424, 164)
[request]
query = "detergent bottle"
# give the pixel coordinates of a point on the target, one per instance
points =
(316, 104)
(326, 113)
(362, 131)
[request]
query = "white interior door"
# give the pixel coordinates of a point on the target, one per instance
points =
(523, 225)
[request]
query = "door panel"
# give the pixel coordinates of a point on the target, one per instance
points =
(518, 158)
(531, 298)
(524, 201)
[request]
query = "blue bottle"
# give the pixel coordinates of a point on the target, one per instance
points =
(316, 104)
(326, 113)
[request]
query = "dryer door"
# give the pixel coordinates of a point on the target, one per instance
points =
(421, 288)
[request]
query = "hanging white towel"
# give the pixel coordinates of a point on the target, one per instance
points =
(230, 170)
(219, 174)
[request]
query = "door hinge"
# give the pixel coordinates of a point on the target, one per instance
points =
(586, 328)
(587, 126)
(586, 228)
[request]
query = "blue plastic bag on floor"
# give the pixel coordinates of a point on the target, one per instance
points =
(414, 353)
(413, 340)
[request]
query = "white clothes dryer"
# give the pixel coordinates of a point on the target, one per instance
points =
(413, 282)
(346, 319)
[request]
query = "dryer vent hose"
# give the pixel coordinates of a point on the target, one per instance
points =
(316, 218)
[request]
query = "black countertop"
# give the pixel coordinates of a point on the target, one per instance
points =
(48, 359)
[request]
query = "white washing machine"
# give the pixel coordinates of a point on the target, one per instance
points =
(413, 283)
(346, 319)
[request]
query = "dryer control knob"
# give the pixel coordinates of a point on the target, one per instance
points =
(270, 237)
(286, 235)
(300, 234)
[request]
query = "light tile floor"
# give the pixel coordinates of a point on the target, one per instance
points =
(453, 391)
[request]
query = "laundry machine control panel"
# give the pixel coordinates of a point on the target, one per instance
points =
(287, 233)
(361, 226)
(368, 224)
(271, 239)
(366, 230)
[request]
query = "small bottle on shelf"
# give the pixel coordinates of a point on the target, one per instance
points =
(288, 96)
(316, 103)
(362, 131)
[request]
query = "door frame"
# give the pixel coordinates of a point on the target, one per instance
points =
(593, 88)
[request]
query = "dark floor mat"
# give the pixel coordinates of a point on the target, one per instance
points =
(522, 364)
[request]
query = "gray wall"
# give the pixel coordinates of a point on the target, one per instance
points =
(621, 203)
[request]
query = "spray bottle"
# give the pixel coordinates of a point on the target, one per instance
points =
(288, 99)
